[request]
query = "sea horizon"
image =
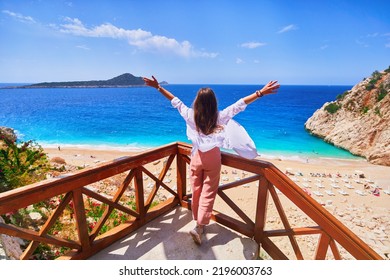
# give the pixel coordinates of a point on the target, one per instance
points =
(139, 118)
(3, 85)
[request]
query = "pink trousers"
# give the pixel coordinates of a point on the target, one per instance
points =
(205, 173)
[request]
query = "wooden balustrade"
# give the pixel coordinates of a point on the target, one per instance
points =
(73, 190)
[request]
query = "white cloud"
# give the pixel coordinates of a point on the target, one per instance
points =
(324, 47)
(239, 60)
(83, 47)
(361, 43)
(387, 45)
(20, 17)
(252, 45)
(143, 40)
(373, 35)
(288, 28)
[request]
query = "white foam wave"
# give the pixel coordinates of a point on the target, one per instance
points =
(285, 157)
(100, 147)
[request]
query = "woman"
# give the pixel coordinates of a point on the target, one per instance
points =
(209, 130)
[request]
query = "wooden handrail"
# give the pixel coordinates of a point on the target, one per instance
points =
(271, 177)
(329, 224)
(72, 187)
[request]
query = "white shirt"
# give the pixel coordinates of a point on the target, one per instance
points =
(231, 136)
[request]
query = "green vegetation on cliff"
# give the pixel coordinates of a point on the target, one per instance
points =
(20, 163)
(332, 107)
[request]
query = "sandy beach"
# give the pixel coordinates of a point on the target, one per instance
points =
(362, 204)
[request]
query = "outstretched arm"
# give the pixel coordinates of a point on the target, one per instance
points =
(270, 88)
(154, 83)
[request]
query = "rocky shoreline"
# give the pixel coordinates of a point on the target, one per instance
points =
(359, 120)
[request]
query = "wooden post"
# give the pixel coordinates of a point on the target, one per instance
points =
(261, 211)
(139, 194)
(181, 177)
(46, 227)
(322, 248)
(81, 221)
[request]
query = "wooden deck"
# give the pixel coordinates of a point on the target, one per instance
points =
(73, 190)
(167, 238)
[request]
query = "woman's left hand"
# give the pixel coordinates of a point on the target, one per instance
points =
(270, 88)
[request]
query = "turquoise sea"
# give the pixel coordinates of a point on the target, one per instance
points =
(139, 117)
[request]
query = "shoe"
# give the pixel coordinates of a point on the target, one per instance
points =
(196, 234)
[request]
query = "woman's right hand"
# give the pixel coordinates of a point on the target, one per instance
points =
(151, 82)
(154, 83)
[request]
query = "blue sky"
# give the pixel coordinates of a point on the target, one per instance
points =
(200, 42)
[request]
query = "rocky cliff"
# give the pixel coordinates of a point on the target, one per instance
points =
(8, 133)
(359, 120)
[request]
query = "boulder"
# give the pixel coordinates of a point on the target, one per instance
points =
(9, 133)
(11, 245)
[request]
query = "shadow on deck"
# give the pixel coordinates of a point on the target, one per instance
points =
(167, 238)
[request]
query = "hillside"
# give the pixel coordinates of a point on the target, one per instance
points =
(124, 80)
(359, 120)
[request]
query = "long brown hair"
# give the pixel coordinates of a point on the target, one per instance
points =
(205, 111)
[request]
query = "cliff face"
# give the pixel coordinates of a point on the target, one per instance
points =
(359, 120)
(8, 133)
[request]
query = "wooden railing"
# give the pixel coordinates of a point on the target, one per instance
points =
(73, 189)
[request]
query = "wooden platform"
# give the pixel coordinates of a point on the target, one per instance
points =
(167, 238)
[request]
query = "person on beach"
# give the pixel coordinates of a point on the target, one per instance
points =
(208, 129)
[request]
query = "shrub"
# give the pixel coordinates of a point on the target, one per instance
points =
(378, 112)
(370, 86)
(365, 109)
(382, 93)
(20, 163)
(341, 96)
(376, 75)
(332, 107)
